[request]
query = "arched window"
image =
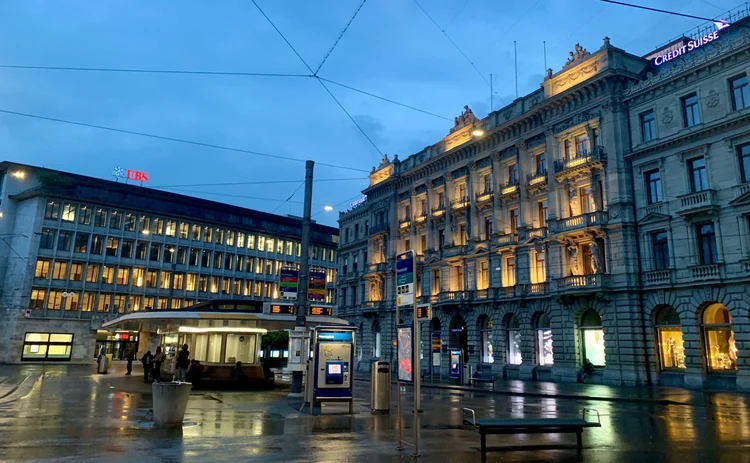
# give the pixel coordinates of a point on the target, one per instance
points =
(721, 352)
(485, 336)
(376, 339)
(513, 340)
(544, 341)
(459, 338)
(669, 331)
(593, 338)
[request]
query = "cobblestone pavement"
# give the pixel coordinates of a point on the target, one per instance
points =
(68, 413)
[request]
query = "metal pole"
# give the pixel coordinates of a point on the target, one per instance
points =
(544, 42)
(515, 60)
(417, 372)
(492, 106)
(304, 275)
(398, 384)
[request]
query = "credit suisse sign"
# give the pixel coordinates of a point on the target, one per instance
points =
(130, 174)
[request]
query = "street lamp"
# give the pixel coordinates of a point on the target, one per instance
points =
(328, 208)
(19, 174)
(477, 132)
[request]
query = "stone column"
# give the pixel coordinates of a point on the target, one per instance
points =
(523, 197)
(670, 246)
(691, 242)
(552, 154)
(448, 196)
(428, 223)
(719, 241)
(470, 190)
(496, 184)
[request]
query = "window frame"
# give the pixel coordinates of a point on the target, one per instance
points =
(654, 191)
(648, 126)
(744, 92)
(47, 344)
(690, 111)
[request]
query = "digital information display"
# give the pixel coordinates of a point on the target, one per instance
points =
(328, 311)
(334, 369)
(282, 309)
(405, 354)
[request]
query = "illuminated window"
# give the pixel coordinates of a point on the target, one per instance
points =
(71, 302)
(218, 256)
(47, 346)
(593, 338)
(219, 236)
(87, 302)
(483, 280)
(229, 262)
(60, 270)
(108, 274)
(138, 276)
(544, 341)
(256, 288)
(166, 278)
(171, 228)
(118, 303)
(151, 278)
(289, 248)
(149, 302)
(130, 221)
(196, 233)
(251, 241)
(123, 275)
(510, 272)
(203, 283)
(485, 334)
(191, 282)
(76, 271)
(669, 331)
(237, 287)
(259, 266)
(240, 240)
(230, 238)
(42, 268)
(261, 243)
(112, 245)
(513, 340)
(249, 264)
(143, 224)
(92, 273)
(157, 226)
(183, 230)
(514, 221)
(582, 145)
(135, 303)
(208, 234)
(104, 300)
(214, 284)
(718, 339)
(68, 212)
(540, 270)
(178, 280)
(37, 298)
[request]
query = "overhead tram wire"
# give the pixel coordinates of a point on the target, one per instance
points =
(314, 74)
(173, 139)
(674, 13)
(325, 58)
(154, 71)
(270, 182)
(290, 197)
(461, 10)
(533, 7)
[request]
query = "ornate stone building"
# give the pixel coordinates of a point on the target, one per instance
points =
(602, 218)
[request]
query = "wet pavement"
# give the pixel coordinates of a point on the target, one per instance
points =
(67, 413)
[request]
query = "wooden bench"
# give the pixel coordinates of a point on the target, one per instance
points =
(483, 375)
(530, 426)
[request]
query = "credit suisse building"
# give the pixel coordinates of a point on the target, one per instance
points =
(602, 218)
(77, 251)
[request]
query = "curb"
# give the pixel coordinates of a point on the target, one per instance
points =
(543, 395)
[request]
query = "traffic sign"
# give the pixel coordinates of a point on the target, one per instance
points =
(405, 278)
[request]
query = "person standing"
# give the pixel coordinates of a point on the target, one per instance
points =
(158, 360)
(147, 360)
(131, 357)
(183, 362)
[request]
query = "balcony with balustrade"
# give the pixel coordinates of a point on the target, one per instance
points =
(378, 228)
(438, 211)
(508, 239)
(485, 197)
(381, 267)
(536, 289)
(582, 283)
(707, 272)
(658, 277)
(420, 218)
(536, 181)
(460, 203)
(509, 188)
(591, 219)
(697, 202)
(373, 306)
(404, 223)
(532, 233)
(583, 161)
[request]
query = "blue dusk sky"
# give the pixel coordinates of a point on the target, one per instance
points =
(391, 49)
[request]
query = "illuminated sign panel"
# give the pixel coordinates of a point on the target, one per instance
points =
(283, 309)
(130, 174)
(690, 46)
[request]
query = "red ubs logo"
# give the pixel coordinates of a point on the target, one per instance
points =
(130, 174)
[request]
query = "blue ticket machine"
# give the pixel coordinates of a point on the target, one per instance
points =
(456, 364)
(329, 372)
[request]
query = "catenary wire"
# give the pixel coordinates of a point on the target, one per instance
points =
(173, 139)
(533, 7)
(320, 81)
(289, 198)
(674, 13)
(384, 99)
(152, 71)
(325, 58)
(270, 182)
(463, 7)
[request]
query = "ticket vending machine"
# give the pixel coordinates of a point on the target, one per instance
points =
(329, 373)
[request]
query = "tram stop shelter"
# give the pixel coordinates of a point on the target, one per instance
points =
(218, 333)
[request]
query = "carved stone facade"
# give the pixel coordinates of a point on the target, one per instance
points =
(541, 246)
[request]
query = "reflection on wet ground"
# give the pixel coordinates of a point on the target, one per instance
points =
(69, 414)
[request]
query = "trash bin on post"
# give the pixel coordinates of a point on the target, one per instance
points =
(170, 401)
(380, 390)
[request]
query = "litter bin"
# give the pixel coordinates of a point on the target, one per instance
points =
(380, 391)
(170, 401)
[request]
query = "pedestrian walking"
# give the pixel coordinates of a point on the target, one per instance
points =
(159, 358)
(147, 360)
(131, 357)
(183, 362)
